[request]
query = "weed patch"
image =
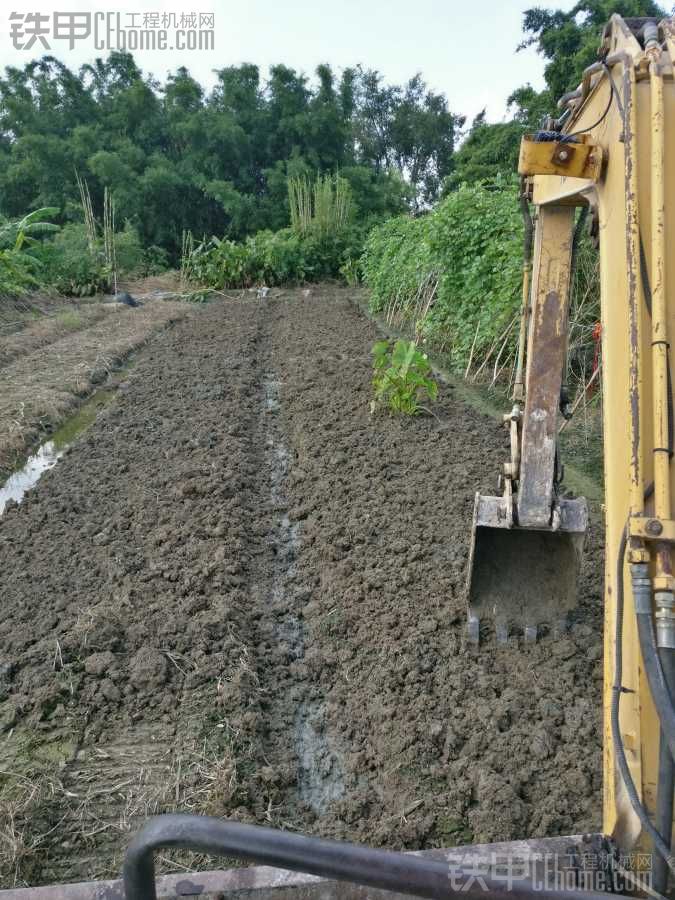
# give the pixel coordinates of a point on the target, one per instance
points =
(401, 377)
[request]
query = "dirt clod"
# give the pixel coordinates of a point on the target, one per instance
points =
(212, 608)
(98, 663)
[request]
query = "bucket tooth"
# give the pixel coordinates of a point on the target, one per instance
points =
(524, 578)
(502, 630)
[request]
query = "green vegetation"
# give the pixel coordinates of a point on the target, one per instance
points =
(71, 265)
(70, 260)
(324, 207)
(219, 162)
(452, 276)
(19, 265)
(401, 377)
(321, 243)
(272, 258)
(76, 259)
(568, 40)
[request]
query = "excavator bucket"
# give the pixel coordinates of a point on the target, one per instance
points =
(523, 578)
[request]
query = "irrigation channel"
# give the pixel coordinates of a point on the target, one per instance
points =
(240, 593)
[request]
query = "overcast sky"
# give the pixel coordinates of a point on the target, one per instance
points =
(472, 60)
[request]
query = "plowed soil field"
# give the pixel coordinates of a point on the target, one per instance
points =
(241, 593)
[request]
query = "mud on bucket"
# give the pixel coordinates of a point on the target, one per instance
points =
(523, 578)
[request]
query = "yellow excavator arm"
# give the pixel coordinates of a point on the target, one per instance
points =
(612, 151)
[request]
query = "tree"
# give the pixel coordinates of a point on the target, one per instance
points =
(408, 129)
(176, 158)
(423, 134)
(569, 40)
(489, 152)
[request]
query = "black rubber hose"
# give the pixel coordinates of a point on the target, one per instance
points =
(617, 689)
(400, 872)
(666, 784)
(654, 671)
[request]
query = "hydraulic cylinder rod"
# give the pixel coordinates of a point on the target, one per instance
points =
(660, 347)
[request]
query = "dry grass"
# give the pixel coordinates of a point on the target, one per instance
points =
(402, 311)
(95, 798)
(40, 388)
(25, 827)
(99, 805)
(166, 281)
(39, 334)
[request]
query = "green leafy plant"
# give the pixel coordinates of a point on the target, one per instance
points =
(350, 270)
(20, 242)
(401, 377)
(69, 265)
(21, 234)
(453, 279)
(272, 258)
(16, 273)
(453, 276)
(154, 261)
(325, 207)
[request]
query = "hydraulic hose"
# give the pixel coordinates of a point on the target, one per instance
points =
(660, 845)
(666, 784)
(642, 594)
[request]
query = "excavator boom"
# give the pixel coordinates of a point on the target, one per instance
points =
(611, 152)
(527, 545)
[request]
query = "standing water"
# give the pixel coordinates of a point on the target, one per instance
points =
(49, 453)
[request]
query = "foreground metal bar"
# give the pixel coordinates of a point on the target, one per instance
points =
(539, 861)
(406, 874)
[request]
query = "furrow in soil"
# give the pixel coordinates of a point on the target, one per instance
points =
(240, 593)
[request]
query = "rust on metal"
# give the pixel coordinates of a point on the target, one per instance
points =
(644, 528)
(632, 264)
(575, 160)
(527, 546)
(546, 359)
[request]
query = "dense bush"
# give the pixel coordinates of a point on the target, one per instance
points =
(454, 274)
(68, 265)
(20, 268)
(17, 273)
(397, 263)
(129, 253)
(275, 257)
(155, 260)
(36, 254)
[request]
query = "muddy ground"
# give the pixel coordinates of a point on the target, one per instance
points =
(55, 351)
(240, 593)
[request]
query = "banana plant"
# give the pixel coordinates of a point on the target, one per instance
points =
(18, 235)
(18, 266)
